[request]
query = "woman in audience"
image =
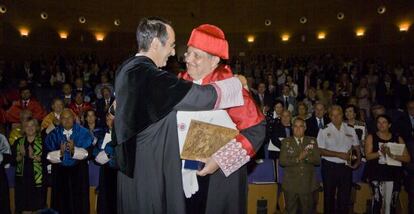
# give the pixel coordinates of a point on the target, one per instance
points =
(381, 169)
(352, 119)
(30, 162)
(364, 97)
(302, 110)
(91, 124)
(310, 99)
(293, 86)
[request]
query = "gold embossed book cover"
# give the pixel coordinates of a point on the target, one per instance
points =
(204, 139)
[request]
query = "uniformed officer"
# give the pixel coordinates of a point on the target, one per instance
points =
(336, 142)
(298, 155)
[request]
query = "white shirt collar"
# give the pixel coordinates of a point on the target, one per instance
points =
(341, 129)
(68, 133)
(198, 82)
(298, 139)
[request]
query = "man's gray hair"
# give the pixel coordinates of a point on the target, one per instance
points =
(149, 29)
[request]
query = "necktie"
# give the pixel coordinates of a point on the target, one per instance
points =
(25, 104)
(299, 141)
(286, 102)
(320, 124)
(287, 130)
(412, 122)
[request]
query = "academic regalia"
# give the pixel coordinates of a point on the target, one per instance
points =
(15, 134)
(5, 157)
(2, 116)
(107, 177)
(80, 109)
(219, 193)
(70, 178)
(146, 130)
(98, 134)
(30, 177)
(48, 120)
(13, 113)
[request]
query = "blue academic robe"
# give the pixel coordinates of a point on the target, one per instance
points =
(70, 178)
(81, 137)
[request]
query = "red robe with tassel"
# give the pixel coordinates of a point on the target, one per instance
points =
(218, 193)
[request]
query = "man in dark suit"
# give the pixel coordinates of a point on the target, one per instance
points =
(80, 86)
(262, 97)
(103, 104)
(289, 102)
(318, 121)
(298, 155)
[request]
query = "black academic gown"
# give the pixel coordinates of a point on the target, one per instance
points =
(146, 128)
(28, 196)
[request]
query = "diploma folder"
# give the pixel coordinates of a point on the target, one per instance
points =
(204, 139)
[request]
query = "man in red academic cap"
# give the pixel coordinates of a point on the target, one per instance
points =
(220, 187)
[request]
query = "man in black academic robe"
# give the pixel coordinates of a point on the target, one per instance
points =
(146, 126)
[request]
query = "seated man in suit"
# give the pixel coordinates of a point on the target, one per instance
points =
(262, 97)
(289, 102)
(318, 120)
(103, 104)
(298, 155)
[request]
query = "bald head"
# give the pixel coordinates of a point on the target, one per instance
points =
(67, 118)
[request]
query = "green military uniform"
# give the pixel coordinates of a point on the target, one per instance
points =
(299, 180)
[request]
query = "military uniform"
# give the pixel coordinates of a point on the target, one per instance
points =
(336, 175)
(299, 181)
